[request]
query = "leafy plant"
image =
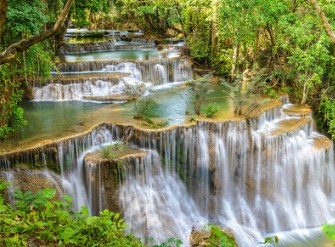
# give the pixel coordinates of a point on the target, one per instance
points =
(271, 240)
(211, 109)
(329, 230)
(245, 97)
(40, 219)
(111, 151)
(326, 116)
(172, 242)
(219, 238)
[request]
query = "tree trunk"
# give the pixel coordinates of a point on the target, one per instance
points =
(324, 20)
(12, 51)
(3, 12)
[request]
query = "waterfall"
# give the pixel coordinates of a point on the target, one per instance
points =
(76, 91)
(109, 45)
(156, 202)
(269, 175)
(178, 69)
(137, 75)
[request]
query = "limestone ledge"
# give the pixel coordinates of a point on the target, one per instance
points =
(127, 153)
(51, 143)
(287, 126)
(297, 110)
(111, 98)
(125, 60)
(70, 78)
(48, 144)
(266, 106)
(322, 142)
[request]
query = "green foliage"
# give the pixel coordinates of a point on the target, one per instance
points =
(143, 108)
(40, 219)
(329, 230)
(326, 116)
(26, 18)
(111, 151)
(11, 115)
(172, 242)
(270, 92)
(244, 95)
(211, 109)
(197, 25)
(156, 16)
(273, 240)
(218, 238)
(198, 90)
(155, 125)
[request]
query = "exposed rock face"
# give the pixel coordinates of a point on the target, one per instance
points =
(102, 177)
(32, 180)
(201, 238)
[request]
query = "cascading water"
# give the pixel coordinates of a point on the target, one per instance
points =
(253, 181)
(273, 180)
(266, 175)
(156, 202)
(140, 75)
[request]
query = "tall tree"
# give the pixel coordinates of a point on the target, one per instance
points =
(11, 52)
(324, 20)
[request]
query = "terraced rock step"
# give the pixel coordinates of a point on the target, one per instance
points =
(321, 142)
(81, 78)
(286, 126)
(94, 66)
(118, 154)
(109, 45)
(111, 98)
(297, 110)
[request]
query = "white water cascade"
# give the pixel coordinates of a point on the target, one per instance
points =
(139, 75)
(274, 178)
(156, 202)
(99, 88)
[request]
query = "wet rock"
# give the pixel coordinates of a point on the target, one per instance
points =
(33, 180)
(200, 238)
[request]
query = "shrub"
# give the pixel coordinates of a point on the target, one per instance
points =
(39, 219)
(111, 151)
(211, 109)
(219, 238)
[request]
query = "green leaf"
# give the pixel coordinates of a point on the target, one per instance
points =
(48, 193)
(66, 234)
(3, 208)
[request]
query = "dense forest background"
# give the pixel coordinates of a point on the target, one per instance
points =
(283, 45)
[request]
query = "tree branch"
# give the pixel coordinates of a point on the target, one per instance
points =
(12, 51)
(324, 20)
